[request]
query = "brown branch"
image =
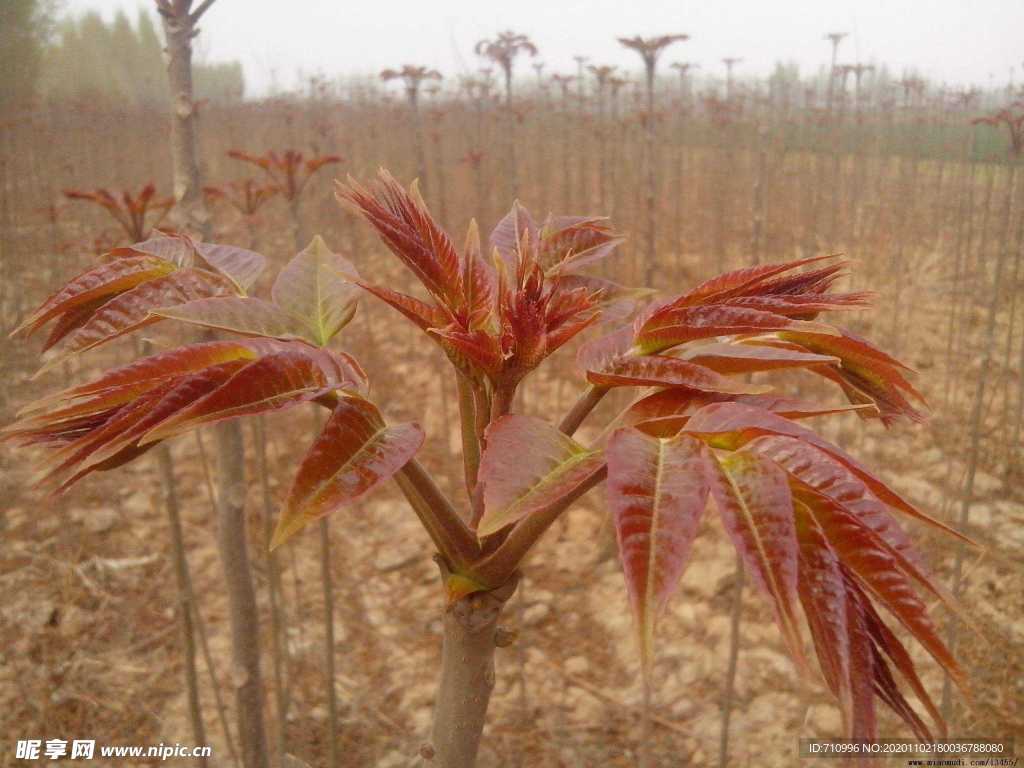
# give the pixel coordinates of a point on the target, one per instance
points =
(437, 514)
(197, 14)
(581, 409)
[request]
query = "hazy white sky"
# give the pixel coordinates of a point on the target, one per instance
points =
(959, 41)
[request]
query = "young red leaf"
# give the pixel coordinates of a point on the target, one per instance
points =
(410, 232)
(527, 467)
(616, 302)
(244, 315)
(74, 451)
(814, 281)
(675, 406)
(863, 671)
(738, 283)
(867, 374)
(131, 310)
(119, 435)
(63, 425)
(830, 477)
(425, 316)
(315, 287)
(355, 452)
(890, 645)
(105, 280)
(888, 691)
(459, 345)
(172, 397)
(481, 350)
(507, 235)
(732, 425)
(802, 306)
(662, 371)
(792, 408)
(731, 359)
(569, 243)
(657, 493)
(753, 499)
(239, 265)
(864, 553)
(668, 328)
(668, 402)
(822, 591)
(296, 374)
(477, 282)
(73, 320)
(178, 249)
(604, 351)
(875, 671)
(122, 384)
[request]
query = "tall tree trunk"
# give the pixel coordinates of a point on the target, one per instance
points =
(279, 642)
(232, 540)
(729, 689)
(984, 373)
(440, 170)
(760, 178)
(179, 22)
(185, 595)
(183, 579)
(511, 129)
(964, 209)
(650, 248)
(567, 196)
(327, 586)
(417, 141)
(179, 29)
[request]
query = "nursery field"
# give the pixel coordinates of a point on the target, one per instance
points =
(114, 629)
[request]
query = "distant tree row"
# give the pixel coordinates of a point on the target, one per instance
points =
(24, 25)
(86, 57)
(89, 57)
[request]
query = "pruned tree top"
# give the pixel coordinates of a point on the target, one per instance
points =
(650, 48)
(504, 48)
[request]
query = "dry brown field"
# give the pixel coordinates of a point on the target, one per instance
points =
(923, 205)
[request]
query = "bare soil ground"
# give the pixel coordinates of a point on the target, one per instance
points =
(91, 645)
